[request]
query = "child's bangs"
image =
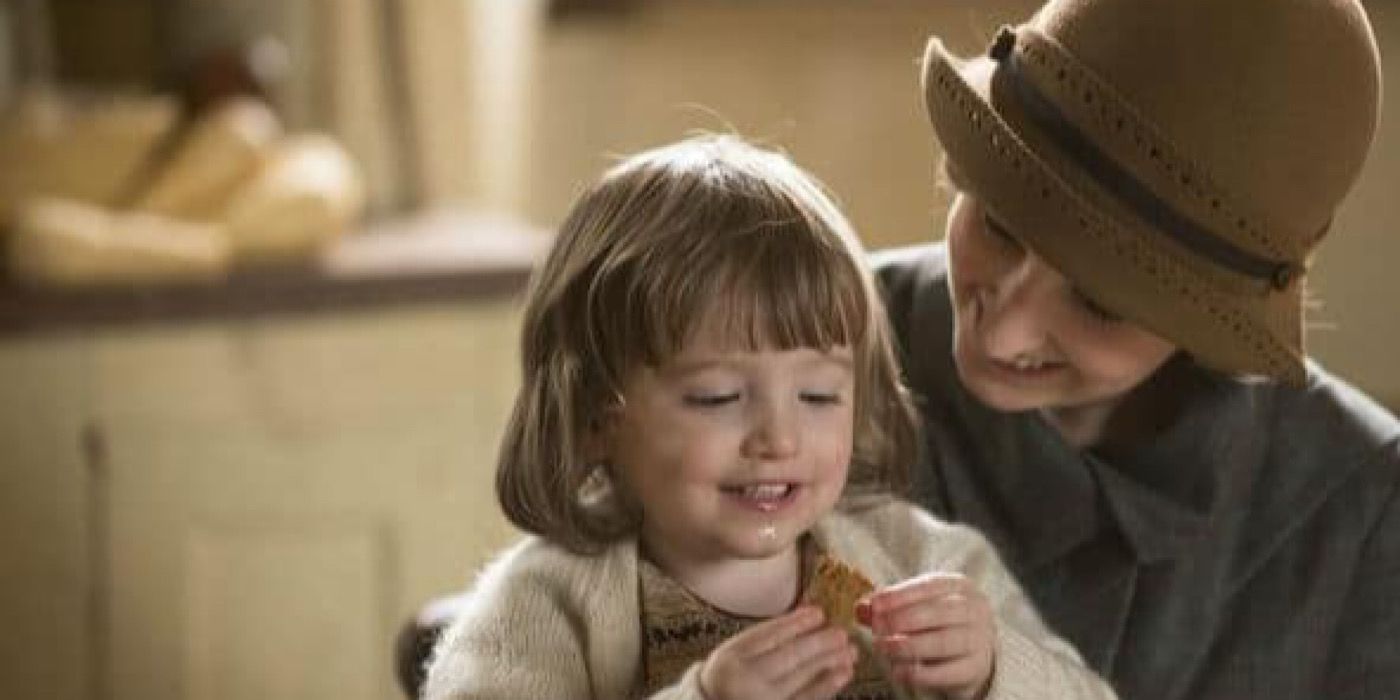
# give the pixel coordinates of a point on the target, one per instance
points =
(777, 286)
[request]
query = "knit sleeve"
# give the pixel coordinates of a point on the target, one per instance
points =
(687, 688)
(520, 635)
(1031, 662)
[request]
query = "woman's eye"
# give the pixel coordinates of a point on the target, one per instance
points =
(1099, 313)
(711, 400)
(998, 231)
(821, 398)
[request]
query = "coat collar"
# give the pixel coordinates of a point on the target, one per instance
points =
(1242, 469)
(1049, 497)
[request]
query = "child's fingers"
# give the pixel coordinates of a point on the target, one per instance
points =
(825, 684)
(804, 655)
(916, 590)
(952, 673)
(820, 676)
(951, 610)
(864, 613)
(934, 645)
(772, 634)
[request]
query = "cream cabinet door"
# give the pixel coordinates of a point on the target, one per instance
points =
(281, 495)
(46, 594)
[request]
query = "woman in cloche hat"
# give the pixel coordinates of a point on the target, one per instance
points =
(1108, 344)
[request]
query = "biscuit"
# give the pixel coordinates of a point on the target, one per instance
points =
(835, 587)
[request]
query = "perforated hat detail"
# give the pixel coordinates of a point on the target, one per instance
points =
(1154, 194)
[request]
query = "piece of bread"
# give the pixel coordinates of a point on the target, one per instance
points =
(58, 241)
(835, 588)
(54, 145)
(222, 151)
(307, 193)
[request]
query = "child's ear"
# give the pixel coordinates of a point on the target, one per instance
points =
(595, 448)
(597, 438)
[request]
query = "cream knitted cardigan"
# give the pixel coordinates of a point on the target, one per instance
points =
(543, 623)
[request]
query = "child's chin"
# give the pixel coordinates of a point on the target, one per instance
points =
(764, 542)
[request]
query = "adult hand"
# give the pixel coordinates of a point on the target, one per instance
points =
(792, 657)
(937, 631)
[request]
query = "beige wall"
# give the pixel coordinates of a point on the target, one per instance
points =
(1358, 270)
(834, 82)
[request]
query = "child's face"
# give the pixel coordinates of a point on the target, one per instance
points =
(1009, 304)
(733, 454)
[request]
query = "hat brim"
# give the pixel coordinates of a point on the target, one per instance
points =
(1089, 237)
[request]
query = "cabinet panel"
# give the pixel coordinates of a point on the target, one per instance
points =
(281, 495)
(45, 597)
(269, 600)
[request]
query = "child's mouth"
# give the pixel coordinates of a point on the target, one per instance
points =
(766, 497)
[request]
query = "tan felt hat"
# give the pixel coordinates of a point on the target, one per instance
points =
(1178, 160)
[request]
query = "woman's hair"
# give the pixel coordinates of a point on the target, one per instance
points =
(707, 226)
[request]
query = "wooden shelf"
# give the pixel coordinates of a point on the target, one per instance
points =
(428, 258)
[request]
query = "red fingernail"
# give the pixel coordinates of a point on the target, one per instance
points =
(864, 612)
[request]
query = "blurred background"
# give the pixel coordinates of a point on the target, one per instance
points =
(262, 265)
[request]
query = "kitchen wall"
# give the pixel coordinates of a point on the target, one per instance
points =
(7, 54)
(514, 109)
(835, 83)
(1355, 275)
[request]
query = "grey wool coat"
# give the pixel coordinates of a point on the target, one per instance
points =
(1252, 550)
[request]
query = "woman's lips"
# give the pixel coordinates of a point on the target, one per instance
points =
(1025, 373)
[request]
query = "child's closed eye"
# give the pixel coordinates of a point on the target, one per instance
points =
(999, 232)
(822, 398)
(1094, 310)
(711, 400)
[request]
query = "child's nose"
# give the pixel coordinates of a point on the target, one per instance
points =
(773, 436)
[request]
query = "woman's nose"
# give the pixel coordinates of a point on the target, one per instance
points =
(1013, 312)
(773, 433)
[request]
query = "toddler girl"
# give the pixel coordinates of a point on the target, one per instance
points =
(710, 409)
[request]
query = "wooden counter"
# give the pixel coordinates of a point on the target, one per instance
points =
(435, 257)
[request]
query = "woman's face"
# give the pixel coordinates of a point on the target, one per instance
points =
(1024, 337)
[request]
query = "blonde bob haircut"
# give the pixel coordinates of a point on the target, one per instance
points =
(709, 227)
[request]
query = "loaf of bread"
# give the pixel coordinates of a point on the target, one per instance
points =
(306, 194)
(188, 202)
(219, 153)
(56, 147)
(76, 243)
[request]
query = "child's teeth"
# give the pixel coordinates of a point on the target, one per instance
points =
(766, 491)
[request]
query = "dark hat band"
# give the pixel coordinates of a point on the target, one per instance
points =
(1118, 182)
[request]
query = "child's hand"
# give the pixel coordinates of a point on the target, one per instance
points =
(788, 658)
(937, 631)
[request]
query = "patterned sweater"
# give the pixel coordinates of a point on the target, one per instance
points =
(680, 628)
(541, 622)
